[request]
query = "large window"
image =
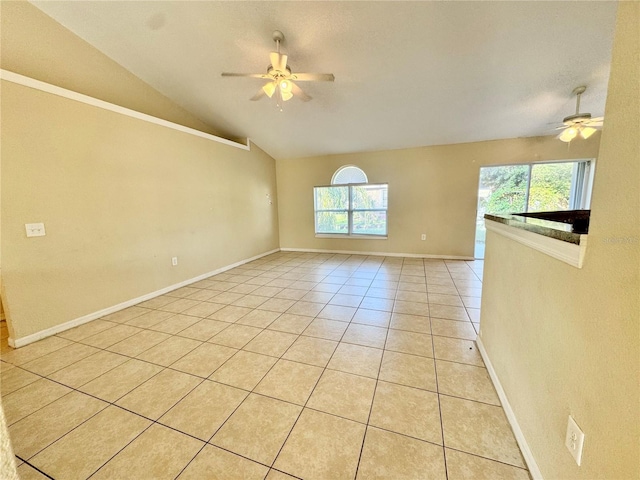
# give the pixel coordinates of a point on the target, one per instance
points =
(351, 209)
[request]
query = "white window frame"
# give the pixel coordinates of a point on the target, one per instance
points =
(350, 212)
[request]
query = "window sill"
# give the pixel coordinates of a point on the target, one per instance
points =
(358, 237)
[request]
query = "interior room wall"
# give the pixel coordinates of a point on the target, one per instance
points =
(35, 45)
(566, 341)
(432, 190)
(118, 196)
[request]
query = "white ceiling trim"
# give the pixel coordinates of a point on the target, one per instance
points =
(95, 102)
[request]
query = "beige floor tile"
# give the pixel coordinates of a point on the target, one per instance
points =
(448, 312)
(87, 369)
(277, 304)
(366, 335)
(343, 300)
(442, 289)
(290, 381)
(290, 323)
(270, 342)
(452, 328)
(244, 370)
(376, 318)
(411, 308)
(479, 429)
(26, 472)
(20, 356)
(337, 312)
(14, 378)
(202, 295)
(213, 463)
(204, 360)
(157, 395)
(203, 309)
(278, 475)
(291, 294)
(175, 324)
(318, 297)
(258, 318)
(235, 336)
(470, 291)
(409, 370)
(159, 453)
(309, 309)
(245, 289)
(412, 287)
(121, 380)
(451, 300)
(250, 301)
(372, 303)
(31, 398)
(322, 446)
(456, 350)
(381, 292)
(111, 336)
(408, 411)
(52, 422)
(59, 359)
(409, 342)
(312, 351)
(258, 428)
(83, 331)
(356, 359)
(474, 314)
(410, 323)
(409, 296)
(204, 329)
(327, 329)
(138, 343)
(462, 466)
(125, 315)
(343, 394)
(183, 292)
(393, 456)
(353, 290)
(267, 291)
(81, 452)
(204, 410)
(179, 306)
(472, 302)
(156, 302)
(149, 319)
(230, 313)
(169, 351)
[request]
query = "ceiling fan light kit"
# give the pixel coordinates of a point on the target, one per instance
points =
(281, 78)
(579, 124)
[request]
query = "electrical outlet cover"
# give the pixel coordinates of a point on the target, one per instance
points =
(574, 440)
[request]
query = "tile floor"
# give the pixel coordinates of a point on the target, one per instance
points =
(302, 365)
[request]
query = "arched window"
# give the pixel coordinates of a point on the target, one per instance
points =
(351, 206)
(349, 174)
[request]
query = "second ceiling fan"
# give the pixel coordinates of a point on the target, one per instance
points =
(280, 77)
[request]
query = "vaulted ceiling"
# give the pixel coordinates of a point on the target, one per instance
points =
(406, 73)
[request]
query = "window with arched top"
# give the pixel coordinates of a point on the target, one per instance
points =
(351, 206)
(349, 174)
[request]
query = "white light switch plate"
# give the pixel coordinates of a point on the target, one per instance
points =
(574, 440)
(35, 229)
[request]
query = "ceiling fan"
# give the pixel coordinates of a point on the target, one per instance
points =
(579, 123)
(280, 77)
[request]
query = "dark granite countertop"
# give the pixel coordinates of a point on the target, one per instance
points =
(561, 230)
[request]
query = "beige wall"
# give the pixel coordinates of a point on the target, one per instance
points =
(432, 190)
(566, 341)
(35, 45)
(119, 196)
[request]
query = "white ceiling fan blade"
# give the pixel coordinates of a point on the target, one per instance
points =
(278, 61)
(297, 92)
(251, 75)
(597, 119)
(313, 77)
(593, 124)
(261, 93)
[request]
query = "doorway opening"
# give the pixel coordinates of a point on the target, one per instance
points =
(532, 187)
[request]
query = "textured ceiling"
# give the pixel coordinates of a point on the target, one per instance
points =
(407, 73)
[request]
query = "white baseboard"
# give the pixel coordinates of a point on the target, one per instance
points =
(511, 417)
(34, 337)
(378, 254)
